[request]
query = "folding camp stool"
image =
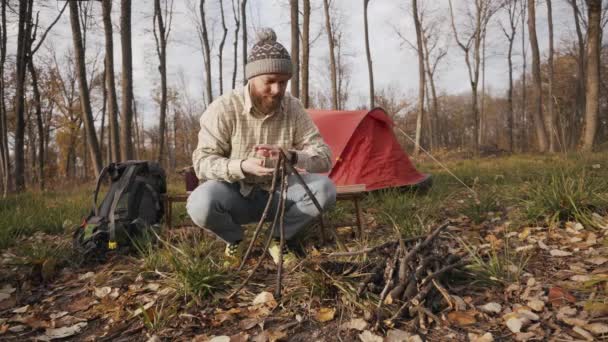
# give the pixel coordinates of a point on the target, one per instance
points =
(355, 193)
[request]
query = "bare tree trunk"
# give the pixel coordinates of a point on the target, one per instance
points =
(221, 52)
(580, 85)
(369, 56)
(539, 123)
(482, 112)
(551, 129)
(332, 57)
(39, 124)
(206, 53)
(244, 28)
(594, 14)
(138, 130)
(237, 24)
(85, 103)
(161, 50)
(25, 19)
(305, 52)
(295, 48)
(112, 102)
(524, 101)
(104, 108)
(512, 12)
(4, 155)
(126, 126)
(421, 75)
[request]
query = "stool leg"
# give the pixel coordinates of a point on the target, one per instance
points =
(359, 219)
(169, 214)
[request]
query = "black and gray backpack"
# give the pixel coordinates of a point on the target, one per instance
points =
(132, 206)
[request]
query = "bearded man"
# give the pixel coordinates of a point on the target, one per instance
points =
(259, 116)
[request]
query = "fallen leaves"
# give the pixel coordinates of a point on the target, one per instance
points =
(559, 253)
(559, 296)
(491, 307)
(462, 318)
(63, 332)
(325, 314)
(355, 324)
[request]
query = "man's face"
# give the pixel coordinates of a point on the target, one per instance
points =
(268, 90)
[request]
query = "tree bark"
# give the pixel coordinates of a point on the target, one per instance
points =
(551, 129)
(206, 53)
(112, 102)
(161, 50)
(512, 11)
(85, 103)
(39, 124)
(580, 84)
(539, 123)
(370, 69)
(126, 126)
(592, 92)
(305, 52)
(332, 57)
(295, 48)
(237, 24)
(524, 99)
(421, 76)
(244, 28)
(221, 52)
(23, 37)
(4, 155)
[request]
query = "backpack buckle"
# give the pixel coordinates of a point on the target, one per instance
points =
(112, 245)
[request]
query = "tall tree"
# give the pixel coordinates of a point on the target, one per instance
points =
(126, 125)
(204, 39)
(4, 154)
(551, 129)
(524, 77)
(112, 102)
(85, 102)
(37, 101)
(470, 44)
(244, 45)
(580, 84)
(511, 7)
(161, 36)
(433, 54)
(370, 70)
(592, 92)
(539, 124)
(332, 57)
(237, 25)
(221, 52)
(23, 37)
(305, 52)
(295, 47)
(421, 76)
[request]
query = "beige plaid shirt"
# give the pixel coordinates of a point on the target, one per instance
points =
(231, 126)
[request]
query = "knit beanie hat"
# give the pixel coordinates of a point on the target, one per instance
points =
(267, 56)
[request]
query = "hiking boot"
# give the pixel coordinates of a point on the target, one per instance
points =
(233, 253)
(289, 258)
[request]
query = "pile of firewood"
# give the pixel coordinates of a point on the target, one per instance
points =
(407, 276)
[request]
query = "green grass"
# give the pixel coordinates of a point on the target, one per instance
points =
(53, 212)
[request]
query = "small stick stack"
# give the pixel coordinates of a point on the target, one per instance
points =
(408, 277)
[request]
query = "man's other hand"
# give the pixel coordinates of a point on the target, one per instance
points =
(255, 166)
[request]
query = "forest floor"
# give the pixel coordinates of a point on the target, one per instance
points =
(532, 231)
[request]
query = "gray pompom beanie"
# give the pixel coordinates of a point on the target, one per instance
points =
(267, 56)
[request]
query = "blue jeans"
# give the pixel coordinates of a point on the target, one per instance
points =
(220, 208)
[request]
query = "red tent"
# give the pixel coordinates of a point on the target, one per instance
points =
(365, 150)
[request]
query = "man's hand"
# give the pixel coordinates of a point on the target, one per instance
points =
(268, 151)
(255, 166)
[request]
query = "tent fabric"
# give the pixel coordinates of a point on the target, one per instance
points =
(365, 150)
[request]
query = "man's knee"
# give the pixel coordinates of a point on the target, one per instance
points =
(325, 191)
(204, 202)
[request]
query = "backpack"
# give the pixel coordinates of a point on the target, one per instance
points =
(132, 206)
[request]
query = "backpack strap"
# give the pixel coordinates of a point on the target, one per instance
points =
(124, 182)
(102, 174)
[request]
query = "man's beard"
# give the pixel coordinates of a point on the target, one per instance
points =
(266, 104)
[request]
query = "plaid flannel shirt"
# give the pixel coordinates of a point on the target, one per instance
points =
(231, 126)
